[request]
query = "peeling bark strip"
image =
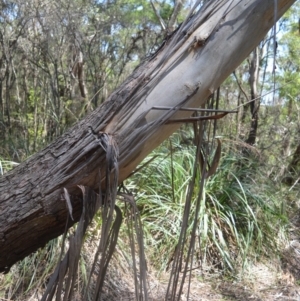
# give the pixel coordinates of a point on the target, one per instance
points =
(69, 265)
(183, 73)
(64, 278)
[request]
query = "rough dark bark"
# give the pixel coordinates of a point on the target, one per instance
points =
(184, 72)
(293, 170)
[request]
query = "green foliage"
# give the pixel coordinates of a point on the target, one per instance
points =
(31, 274)
(6, 165)
(41, 96)
(239, 218)
(289, 56)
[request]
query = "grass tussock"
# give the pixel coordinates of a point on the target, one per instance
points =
(240, 216)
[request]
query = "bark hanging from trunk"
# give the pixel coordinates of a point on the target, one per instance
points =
(187, 69)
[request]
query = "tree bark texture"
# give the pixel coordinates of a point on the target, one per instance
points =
(255, 103)
(185, 71)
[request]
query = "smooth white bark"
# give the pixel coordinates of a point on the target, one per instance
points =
(230, 32)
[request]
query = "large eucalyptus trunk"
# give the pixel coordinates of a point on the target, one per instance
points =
(185, 71)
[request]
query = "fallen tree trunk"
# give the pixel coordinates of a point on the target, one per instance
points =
(185, 71)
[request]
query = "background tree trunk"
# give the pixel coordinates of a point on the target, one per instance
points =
(254, 104)
(185, 71)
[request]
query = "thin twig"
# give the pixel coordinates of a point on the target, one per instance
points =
(192, 109)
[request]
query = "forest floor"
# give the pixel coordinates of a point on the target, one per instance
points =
(276, 280)
(263, 281)
(266, 280)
